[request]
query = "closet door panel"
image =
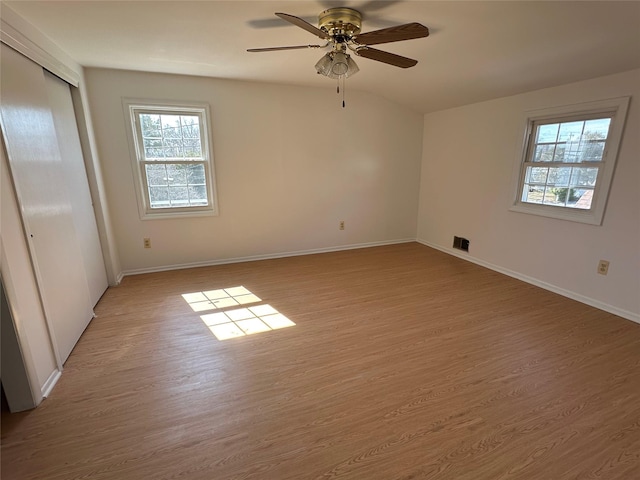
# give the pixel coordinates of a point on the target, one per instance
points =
(21, 286)
(37, 171)
(75, 175)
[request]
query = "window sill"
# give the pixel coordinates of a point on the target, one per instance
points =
(167, 214)
(559, 213)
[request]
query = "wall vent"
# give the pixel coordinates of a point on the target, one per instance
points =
(461, 243)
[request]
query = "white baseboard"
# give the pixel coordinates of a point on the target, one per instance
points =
(254, 258)
(634, 317)
(50, 383)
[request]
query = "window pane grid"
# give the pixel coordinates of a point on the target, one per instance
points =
(167, 137)
(175, 185)
(564, 162)
(172, 158)
(570, 142)
(564, 185)
(170, 145)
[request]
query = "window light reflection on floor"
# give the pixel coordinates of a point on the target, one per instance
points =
(245, 321)
(238, 322)
(221, 298)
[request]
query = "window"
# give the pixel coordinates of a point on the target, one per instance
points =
(172, 160)
(568, 160)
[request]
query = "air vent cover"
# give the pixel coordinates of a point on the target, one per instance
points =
(461, 243)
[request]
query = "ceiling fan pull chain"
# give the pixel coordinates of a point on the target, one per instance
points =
(343, 90)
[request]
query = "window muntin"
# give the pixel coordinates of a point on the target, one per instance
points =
(173, 162)
(568, 160)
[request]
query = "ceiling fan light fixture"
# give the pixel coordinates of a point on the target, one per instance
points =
(339, 65)
(353, 67)
(323, 67)
(336, 65)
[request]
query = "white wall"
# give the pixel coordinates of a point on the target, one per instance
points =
(466, 185)
(290, 164)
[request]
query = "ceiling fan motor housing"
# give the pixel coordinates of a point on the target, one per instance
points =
(340, 23)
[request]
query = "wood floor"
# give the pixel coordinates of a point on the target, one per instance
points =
(404, 363)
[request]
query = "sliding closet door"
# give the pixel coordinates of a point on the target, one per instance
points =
(37, 170)
(75, 176)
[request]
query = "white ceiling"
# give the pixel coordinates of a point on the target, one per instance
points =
(477, 50)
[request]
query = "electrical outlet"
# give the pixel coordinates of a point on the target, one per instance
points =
(146, 242)
(603, 267)
(342, 225)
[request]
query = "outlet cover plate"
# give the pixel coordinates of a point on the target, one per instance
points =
(603, 267)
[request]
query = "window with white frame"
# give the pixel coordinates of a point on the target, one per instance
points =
(568, 160)
(171, 150)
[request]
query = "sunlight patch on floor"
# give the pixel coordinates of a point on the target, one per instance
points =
(245, 321)
(221, 298)
(231, 322)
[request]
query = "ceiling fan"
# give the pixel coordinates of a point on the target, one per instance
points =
(340, 28)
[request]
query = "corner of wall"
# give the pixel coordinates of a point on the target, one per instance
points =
(634, 317)
(96, 183)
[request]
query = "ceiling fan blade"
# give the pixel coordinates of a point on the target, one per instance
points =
(262, 23)
(298, 22)
(408, 31)
(273, 49)
(386, 57)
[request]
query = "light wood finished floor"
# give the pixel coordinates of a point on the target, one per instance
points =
(404, 363)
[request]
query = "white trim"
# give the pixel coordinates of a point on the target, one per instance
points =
(559, 213)
(253, 258)
(614, 107)
(23, 37)
(50, 383)
(634, 317)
